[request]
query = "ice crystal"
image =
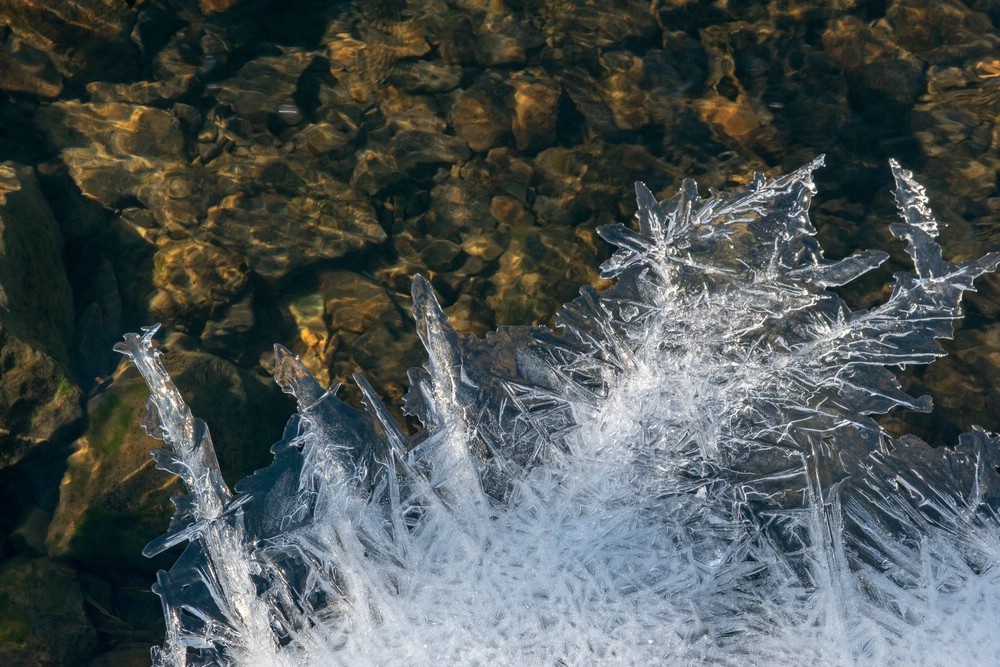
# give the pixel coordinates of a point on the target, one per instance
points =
(686, 474)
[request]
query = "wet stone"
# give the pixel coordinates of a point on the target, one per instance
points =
(439, 254)
(942, 31)
(42, 616)
(873, 62)
(96, 32)
(374, 172)
(210, 7)
(589, 25)
(179, 197)
(425, 76)
(479, 121)
(38, 401)
(504, 40)
(415, 148)
(195, 277)
(111, 148)
(368, 331)
(326, 138)
(266, 87)
(324, 220)
(315, 343)
(536, 106)
(484, 246)
(623, 88)
(529, 285)
(25, 69)
(354, 303)
(509, 211)
(456, 206)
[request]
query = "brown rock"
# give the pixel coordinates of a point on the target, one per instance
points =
(355, 304)
(194, 276)
(536, 103)
(316, 344)
(413, 148)
(303, 217)
(425, 76)
(43, 619)
(484, 246)
(541, 269)
(509, 211)
(266, 87)
(37, 400)
(478, 121)
(209, 7)
(872, 60)
(81, 37)
(25, 69)
(456, 206)
(941, 31)
(112, 148)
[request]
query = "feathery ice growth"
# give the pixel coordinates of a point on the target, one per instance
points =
(687, 474)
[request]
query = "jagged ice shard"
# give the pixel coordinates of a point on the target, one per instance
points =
(687, 474)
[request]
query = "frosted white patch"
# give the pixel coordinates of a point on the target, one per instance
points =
(687, 475)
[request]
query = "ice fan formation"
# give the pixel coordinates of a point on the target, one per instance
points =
(686, 475)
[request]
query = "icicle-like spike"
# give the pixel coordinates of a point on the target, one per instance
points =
(449, 441)
(177, 427)
(920, 227)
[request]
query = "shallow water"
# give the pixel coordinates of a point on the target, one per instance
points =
(260, 175)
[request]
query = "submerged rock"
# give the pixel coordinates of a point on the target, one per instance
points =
(112, 148)
(42, 615)
(83, 38)
(25, 69)
(38, 401)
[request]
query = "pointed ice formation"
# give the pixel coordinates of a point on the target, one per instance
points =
(688, 474)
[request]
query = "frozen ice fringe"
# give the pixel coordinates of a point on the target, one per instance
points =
(688, 474)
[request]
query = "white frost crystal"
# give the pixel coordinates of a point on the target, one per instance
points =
(686, 475)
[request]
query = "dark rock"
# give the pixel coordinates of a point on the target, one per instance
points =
(195, 277)
(873, 62)
(221, 333)
(83, 38)
(536, 106)
(303, 216)
(42, 616)
(112, 148)
(209, 7)
(509, 211)
(456, 206)
(484, 246)
(478, 121)
(374, 172)
(529, 285)
(38, 401)
(414, 148)
(25, 69)
(134, 655)
(942, 31)
(327, 138)
(355, 304)
(439, 254)
(266, 87)
(425, 76)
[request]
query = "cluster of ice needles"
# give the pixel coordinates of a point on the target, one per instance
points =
(687, 474)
